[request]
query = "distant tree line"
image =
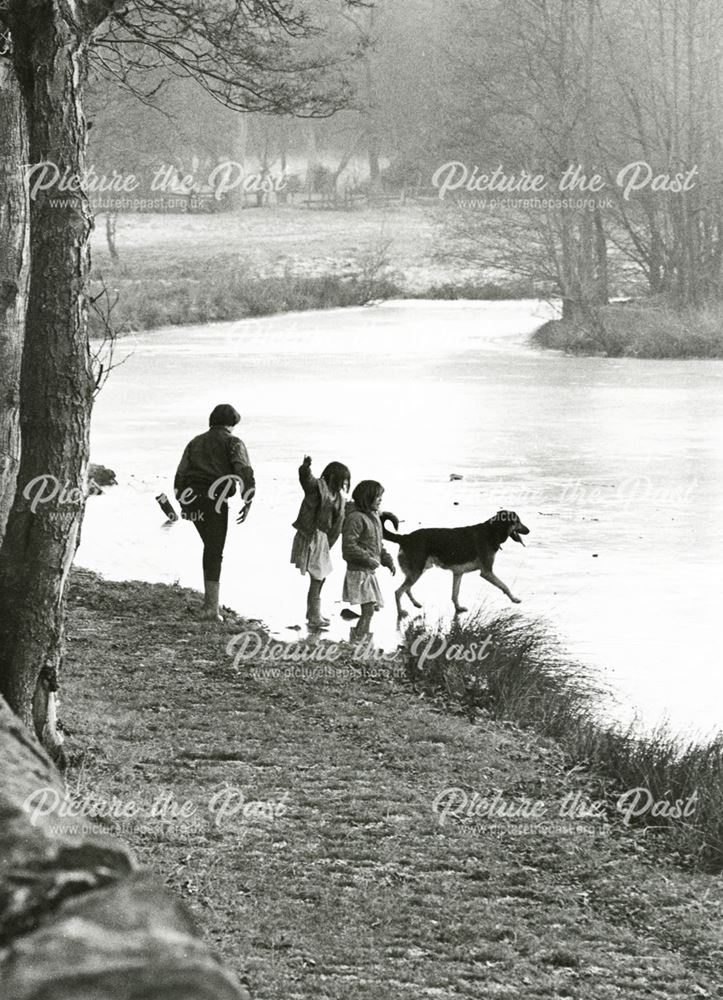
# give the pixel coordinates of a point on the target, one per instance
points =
(543, 85)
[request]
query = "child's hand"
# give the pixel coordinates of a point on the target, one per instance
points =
(307, 461)
(388, 562)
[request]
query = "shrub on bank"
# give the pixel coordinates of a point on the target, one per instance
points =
(217, 291)
(481, 290)
(654, 331)
(525, 677)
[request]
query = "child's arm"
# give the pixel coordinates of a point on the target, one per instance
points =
(179, 481)
(309, 482)
(336, 524)
(241, 467)
(351, 550)
(388, 561)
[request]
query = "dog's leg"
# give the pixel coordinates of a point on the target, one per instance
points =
(399, 593)
(456, 580)
(401, 613)
(412, 573)
(406, 588)
(490, 577)
(411, 596)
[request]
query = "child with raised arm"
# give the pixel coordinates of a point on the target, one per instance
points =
(363, 552)
(318, 527)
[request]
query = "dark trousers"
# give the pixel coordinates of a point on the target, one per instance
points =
(212, 525)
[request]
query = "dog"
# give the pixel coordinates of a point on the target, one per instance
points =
(461, 550)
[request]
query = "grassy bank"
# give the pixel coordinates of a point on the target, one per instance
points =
(525, 678)
(208, 292)
(356, 888)
(178, 270)
(652, 330)
(203, 291)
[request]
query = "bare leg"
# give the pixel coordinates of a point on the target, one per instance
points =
(361, 629)
(490, 577)
(321, 584)
(367, 613)
(456, 580)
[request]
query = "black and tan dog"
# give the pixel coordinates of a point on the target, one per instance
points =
(460, 550)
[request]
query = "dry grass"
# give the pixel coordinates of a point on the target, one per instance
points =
(527, 678)
(356, 890)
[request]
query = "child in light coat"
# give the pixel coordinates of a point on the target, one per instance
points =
(363, 552)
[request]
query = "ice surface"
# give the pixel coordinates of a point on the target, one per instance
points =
(615, 465)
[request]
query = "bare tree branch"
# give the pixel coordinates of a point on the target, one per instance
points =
(102, 359)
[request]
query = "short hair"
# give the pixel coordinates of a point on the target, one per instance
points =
(224, 415)
(365, 493)
(335, 475)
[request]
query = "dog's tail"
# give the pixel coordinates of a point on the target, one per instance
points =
(388, 535)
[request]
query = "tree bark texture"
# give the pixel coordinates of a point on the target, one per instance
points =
(14, 275)
(56, 382)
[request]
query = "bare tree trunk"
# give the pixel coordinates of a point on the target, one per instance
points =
(375, 173)
(282, 196)
(602, 292)
(372, 136)
(312, 160)
(56, 384)
(111, 219)
(261, 195)
(371, 114)
(14, 274)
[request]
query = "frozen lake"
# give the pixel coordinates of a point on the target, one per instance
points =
(616, 466)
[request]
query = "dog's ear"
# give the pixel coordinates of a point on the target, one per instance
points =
(506, 522)
(500, 527)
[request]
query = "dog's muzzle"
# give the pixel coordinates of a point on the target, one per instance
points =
(518, 530)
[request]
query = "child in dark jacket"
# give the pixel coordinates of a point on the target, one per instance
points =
(318, 527)
(210, 467)
(363, 551)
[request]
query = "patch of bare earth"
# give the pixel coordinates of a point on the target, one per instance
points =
(354, 889)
